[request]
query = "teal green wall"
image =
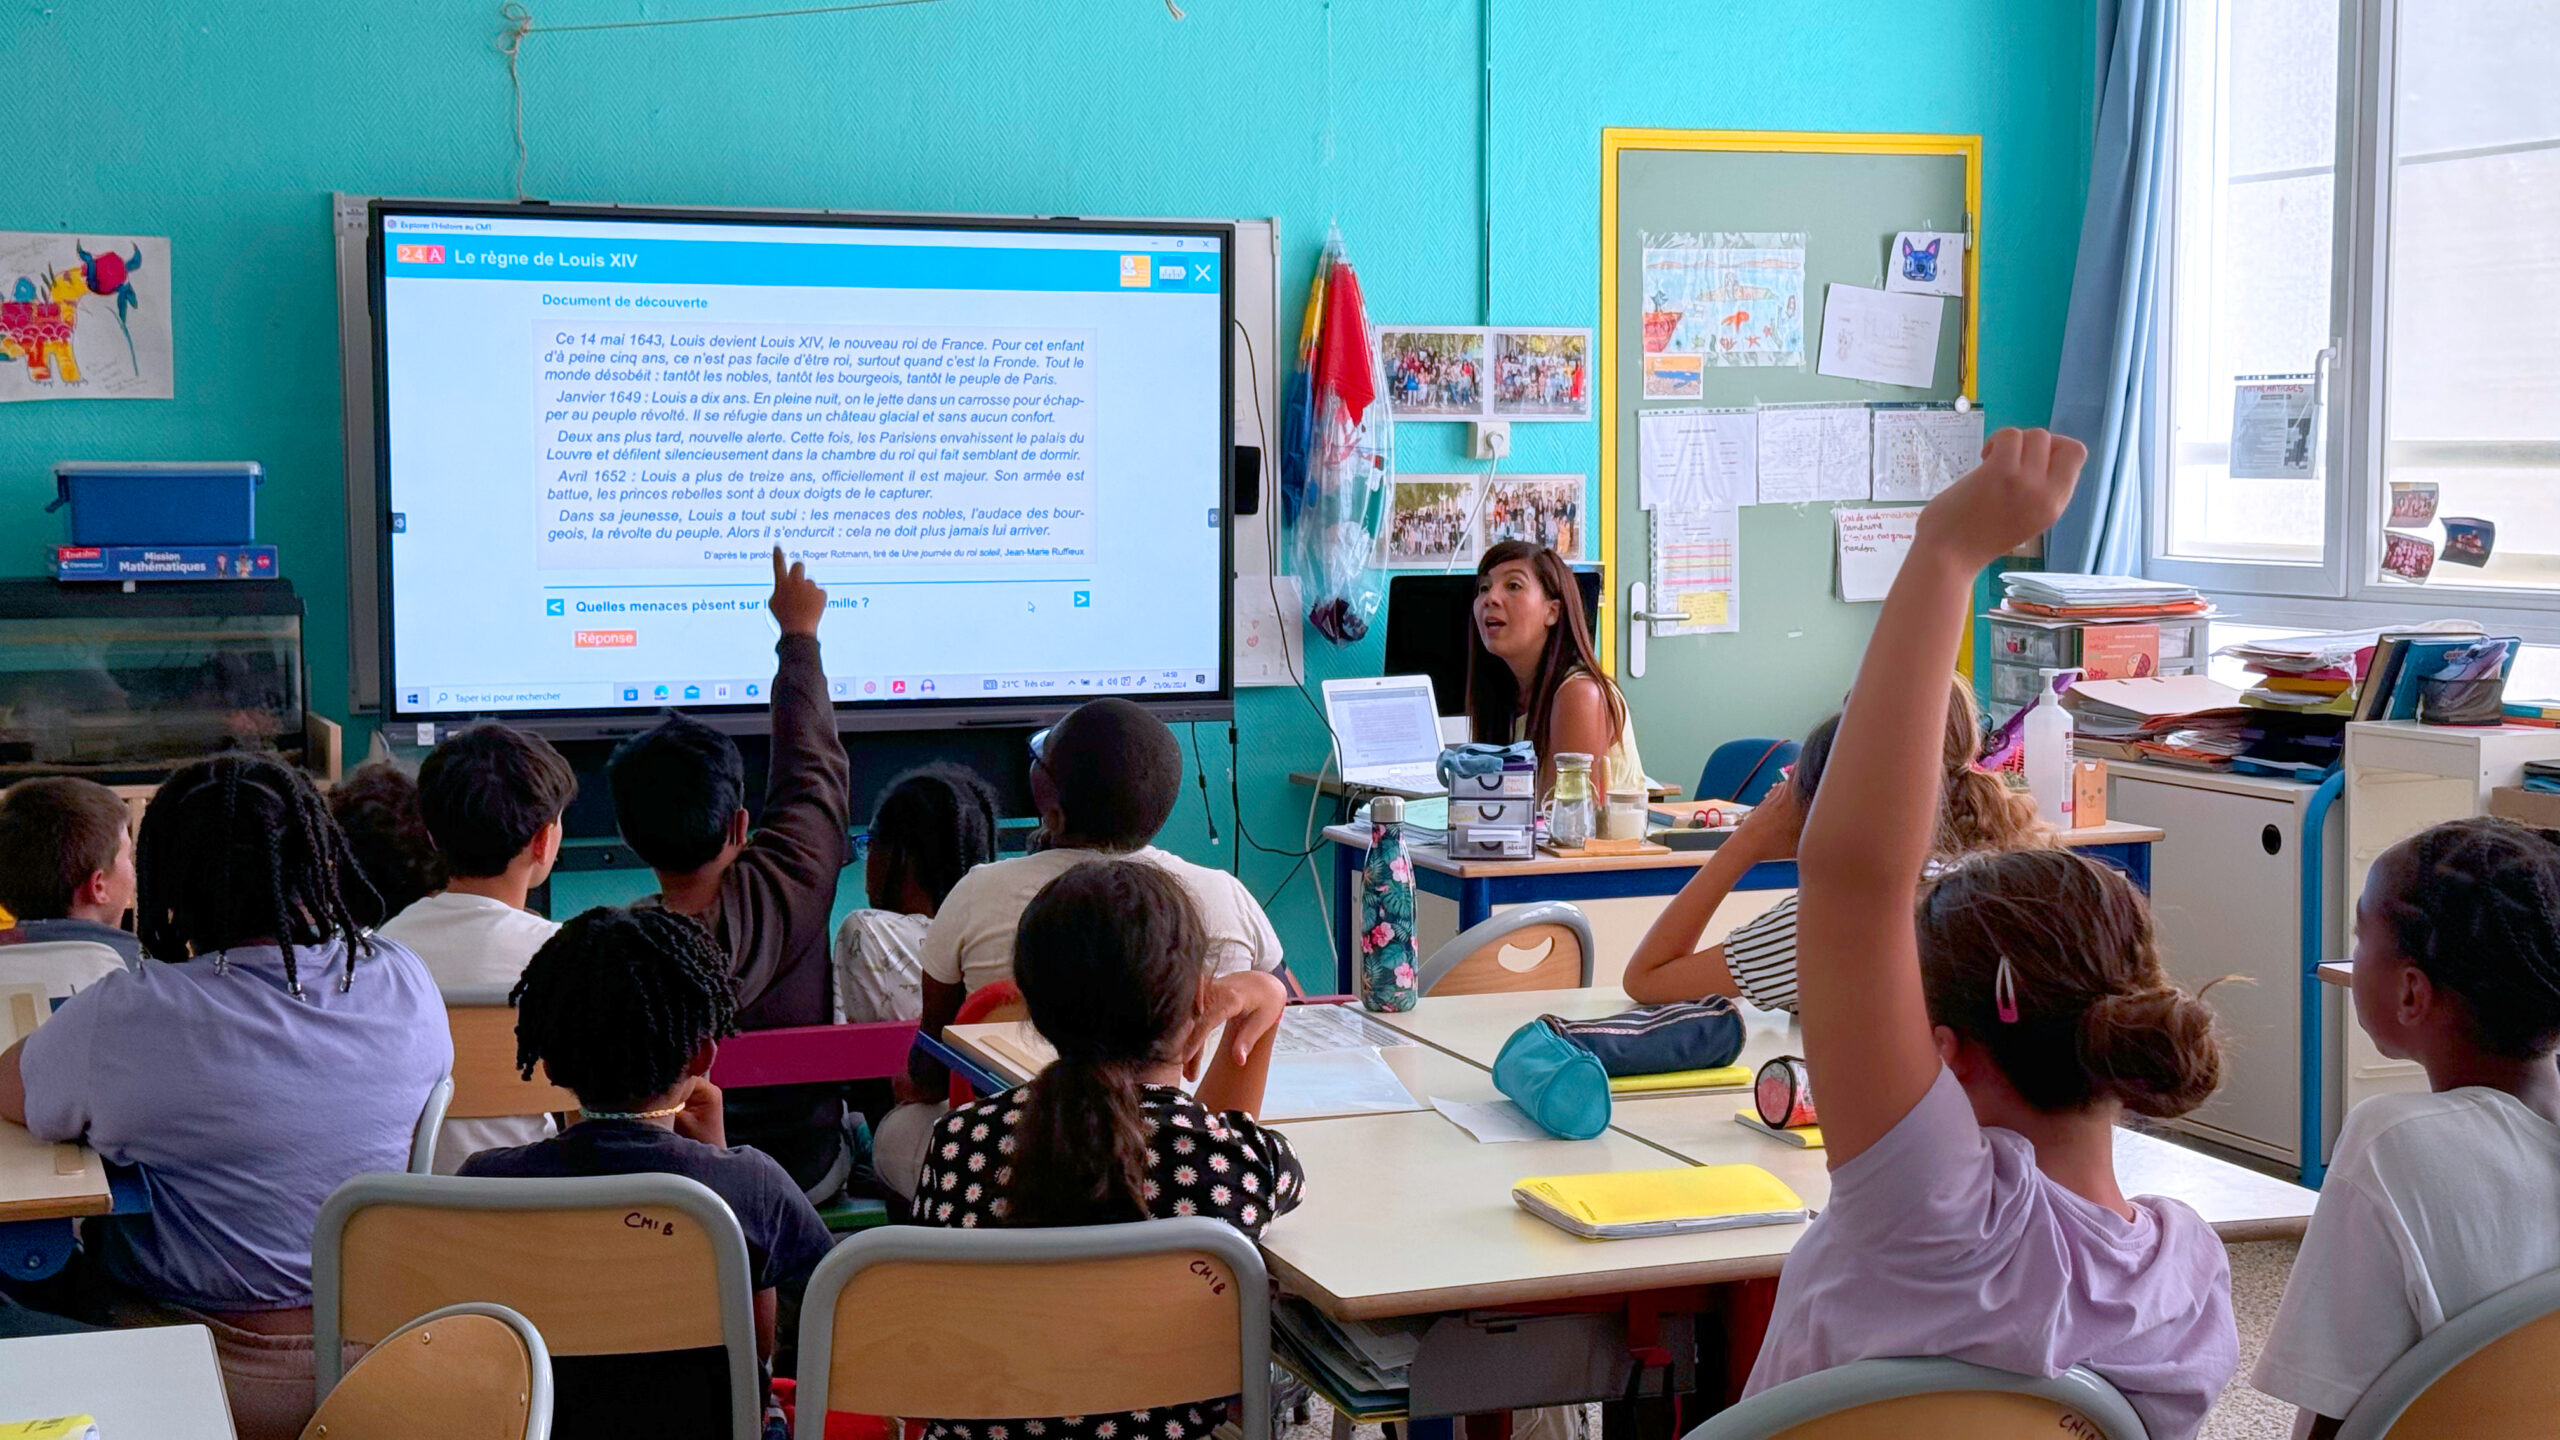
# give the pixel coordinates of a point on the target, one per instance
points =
(224, 124)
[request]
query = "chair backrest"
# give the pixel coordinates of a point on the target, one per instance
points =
(1745, 769)
(1543, 946)
(2490, 1372)
(602, 1265)
(422, 1141)
(60, 966)
(485, 1083)
(465, 1372)
(995, 1001)
(1929, 1399)
(999, 1324)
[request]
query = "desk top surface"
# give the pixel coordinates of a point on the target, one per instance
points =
(162, 1382)
(1407, 1214)
(1435, 857)
(2337, 972)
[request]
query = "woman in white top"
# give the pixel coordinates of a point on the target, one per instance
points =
(1531, 671)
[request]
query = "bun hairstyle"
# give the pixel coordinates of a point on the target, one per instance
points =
(2475, 904)
(1110, 957)
(2095, 1015)
(1978, 810)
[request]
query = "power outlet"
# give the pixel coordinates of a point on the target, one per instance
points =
(1489, 439)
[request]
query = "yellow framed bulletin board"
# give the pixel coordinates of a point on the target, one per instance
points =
(1848, 194)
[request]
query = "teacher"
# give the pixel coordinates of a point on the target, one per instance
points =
(1531, 673)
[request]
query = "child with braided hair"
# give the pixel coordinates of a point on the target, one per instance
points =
(627, 1008)
(266, 1051)
(2435, 1201)
(932, 826)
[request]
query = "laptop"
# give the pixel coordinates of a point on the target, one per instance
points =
(1389, 730)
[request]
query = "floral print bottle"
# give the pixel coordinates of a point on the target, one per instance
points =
(1386, 912)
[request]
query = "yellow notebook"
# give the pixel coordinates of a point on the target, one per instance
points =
(1626, 1204)
(67, 1427)
(1724, 1077)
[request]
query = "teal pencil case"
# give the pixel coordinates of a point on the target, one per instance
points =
(1558, 1083)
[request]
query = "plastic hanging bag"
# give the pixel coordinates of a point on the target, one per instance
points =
(1337, 463)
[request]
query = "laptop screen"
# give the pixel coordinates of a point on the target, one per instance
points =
(1389, 725)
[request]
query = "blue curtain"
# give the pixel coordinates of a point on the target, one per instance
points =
(2103, 394)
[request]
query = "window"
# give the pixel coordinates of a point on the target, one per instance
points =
(2382, 177)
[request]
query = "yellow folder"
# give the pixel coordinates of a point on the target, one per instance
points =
(1724, 1077)
(1624, 1204)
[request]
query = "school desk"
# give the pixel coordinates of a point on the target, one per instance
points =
(46, 1188)
(1328, 783)
(2239, 1203)
(1473, 1028)
(162, 1382)
(1013, 1052)
(1479, 885)
(2337, 972)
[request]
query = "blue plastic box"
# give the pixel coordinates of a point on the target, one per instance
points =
(159, 502)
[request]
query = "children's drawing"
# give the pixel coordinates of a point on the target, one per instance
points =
(1926, 262)
(84, 317)
(1727, 299)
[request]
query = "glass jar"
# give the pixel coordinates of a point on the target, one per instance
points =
(1573, 809)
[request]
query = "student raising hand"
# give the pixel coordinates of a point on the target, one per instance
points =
(1866, 1028)
(798, 604)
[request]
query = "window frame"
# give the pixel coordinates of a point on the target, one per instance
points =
(2344, 589)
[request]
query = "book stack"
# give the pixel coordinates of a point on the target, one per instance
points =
(2057, 596)
(1363, 1368)
(2306, 674)
(2184, 720)
(2542, 714)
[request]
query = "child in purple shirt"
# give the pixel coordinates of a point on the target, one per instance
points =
(1971, 1065)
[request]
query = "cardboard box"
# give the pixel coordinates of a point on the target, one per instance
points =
(2526, 807)
(2089, 793)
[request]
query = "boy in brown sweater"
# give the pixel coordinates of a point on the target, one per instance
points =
(766, 894)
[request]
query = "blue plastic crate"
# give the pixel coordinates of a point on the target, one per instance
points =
(159, 502)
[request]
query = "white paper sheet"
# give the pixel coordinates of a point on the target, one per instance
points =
(1926, 262)
(1316, 1029)
(1921, 452)
(1697, 571)
(1872, 545)
(1335, 1082)
(2275, 423)
(1879, 335)
(1698, 459)
(1813, 452)
(1271, 646)
(100, 326)
(1494, 1122)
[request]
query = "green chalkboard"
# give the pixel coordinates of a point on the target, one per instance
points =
(1846, 195)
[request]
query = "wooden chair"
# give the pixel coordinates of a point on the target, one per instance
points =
(2491, 1372)
(1551, 939)
(602, 1265)
(465, 1372)
(1002, 1324)
(1929, 1399)
(485, 1083)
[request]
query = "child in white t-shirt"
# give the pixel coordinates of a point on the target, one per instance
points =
(2435, 1202)
(491, 798)
(932, 827)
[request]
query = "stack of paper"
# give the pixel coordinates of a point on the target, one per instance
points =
(1364, 1367)
(2174, 719)
(1632, 1204)
(2056, 594)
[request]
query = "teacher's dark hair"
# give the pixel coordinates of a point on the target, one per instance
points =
(1493, 692)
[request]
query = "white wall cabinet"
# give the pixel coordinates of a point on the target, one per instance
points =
(2226, 899)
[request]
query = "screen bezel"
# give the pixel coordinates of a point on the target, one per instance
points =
(888, 715)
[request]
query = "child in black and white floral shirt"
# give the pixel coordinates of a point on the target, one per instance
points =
(1113, 966)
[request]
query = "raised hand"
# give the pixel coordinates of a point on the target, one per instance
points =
(2014, 495)
(798, 604)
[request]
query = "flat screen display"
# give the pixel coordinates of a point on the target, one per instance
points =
(1001, 446)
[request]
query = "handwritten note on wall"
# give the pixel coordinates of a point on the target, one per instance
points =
(1872, 545)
